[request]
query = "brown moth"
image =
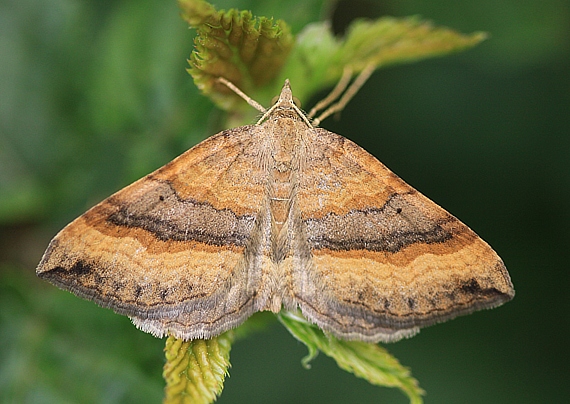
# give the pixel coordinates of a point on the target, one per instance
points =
(280, 214)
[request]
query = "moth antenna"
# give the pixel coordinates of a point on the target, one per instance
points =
(243, 95)
(334, 94)
(347, 96)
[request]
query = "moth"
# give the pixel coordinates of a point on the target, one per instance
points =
(277, 215)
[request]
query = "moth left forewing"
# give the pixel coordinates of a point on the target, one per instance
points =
(173, 250)
(384, 259)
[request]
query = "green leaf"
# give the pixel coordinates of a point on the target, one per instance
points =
(195, 370)
(252, 52)
(248, 51)
(318, 58)
(368, 361)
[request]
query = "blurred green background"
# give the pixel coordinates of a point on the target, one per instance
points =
(94, 95)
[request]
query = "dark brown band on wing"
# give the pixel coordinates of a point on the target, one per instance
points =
(399, 223)
(160, 211)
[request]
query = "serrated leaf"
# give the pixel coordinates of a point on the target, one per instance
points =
(246, 50)
(368, 361)
(319, 58)
(195, 370)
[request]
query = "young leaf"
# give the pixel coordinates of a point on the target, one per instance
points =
(318, 58)
(248, 51)
(368, 361)
(195, 370)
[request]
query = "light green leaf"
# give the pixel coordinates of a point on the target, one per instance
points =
(318, 58)
(195, 370)
(368, 361)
